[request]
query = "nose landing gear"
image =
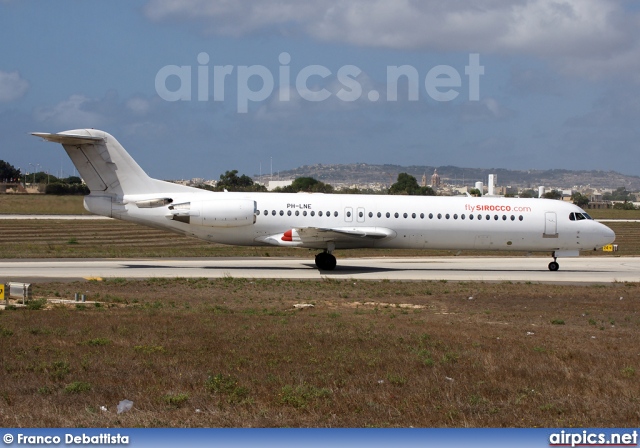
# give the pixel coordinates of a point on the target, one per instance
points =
(554, 266)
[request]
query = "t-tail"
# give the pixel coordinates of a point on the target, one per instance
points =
(107, 169)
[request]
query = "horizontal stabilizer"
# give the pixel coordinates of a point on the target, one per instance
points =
(68, 139)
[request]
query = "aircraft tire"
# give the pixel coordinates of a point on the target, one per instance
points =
(325, 261)
(554, 266)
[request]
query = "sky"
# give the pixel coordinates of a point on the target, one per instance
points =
(192, 88)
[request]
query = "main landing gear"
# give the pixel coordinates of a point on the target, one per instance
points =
(325, 261)
(554, 266)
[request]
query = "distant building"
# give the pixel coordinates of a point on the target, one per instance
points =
(273, 184)
(435, 179)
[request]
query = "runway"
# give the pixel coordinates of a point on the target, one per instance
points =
(491, 269)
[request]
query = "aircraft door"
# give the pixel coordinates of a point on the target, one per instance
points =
(550, 225)
(360, 214)
(348, 214)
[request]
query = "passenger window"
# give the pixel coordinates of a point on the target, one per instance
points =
(320, 213)
(266, 212)
(513, 218)
(281, 213)
(479, 217)
(462, 216)
(430, 215)
(258, 212)
(388, 215)
(348, 214)
(413, 215)
(396, 214)
(304, 213)
(273, 212)
(496, 217)
(489, 217)
(439, 215)
(288, 212)
(405, 216)
(370, 214)
(379, 215)
(297, 212)
(455, 216)
(470, 217)
(313, 213)
(360, 214)
(335, 214)
(421, 215)
(504, 217)
(520, 217)
(447, 216)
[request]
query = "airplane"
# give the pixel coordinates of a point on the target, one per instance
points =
(120, 189)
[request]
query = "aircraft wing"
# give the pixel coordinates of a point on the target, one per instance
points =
(317, 236)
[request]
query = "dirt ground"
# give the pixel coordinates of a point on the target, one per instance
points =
(275, 353)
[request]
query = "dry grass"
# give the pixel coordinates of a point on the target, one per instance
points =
(111, 238)
(95, 239)
(613, 214)
(235, 352)
(41, 204)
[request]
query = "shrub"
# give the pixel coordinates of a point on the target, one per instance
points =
(77, 387)
(175, 400)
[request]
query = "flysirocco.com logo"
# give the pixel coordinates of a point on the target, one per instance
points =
(256, 83)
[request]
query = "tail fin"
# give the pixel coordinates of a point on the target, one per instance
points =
(104, 164)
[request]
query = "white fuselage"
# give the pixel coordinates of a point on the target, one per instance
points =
(120, 188)
(422, 222)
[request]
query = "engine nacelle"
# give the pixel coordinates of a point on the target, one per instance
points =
(223, 213)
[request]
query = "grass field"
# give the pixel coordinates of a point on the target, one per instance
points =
(235, 352)
(41, 204)
(95, 239)
(111, 238)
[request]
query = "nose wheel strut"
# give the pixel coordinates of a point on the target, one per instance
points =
(554, 266)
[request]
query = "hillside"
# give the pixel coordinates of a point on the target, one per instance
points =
(363, 173)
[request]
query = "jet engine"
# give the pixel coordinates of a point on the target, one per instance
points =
(216, 212)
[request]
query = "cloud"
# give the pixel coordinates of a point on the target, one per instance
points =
(138, 105)
(487, 109)
(529, 81)
(616, 109)
(73, 112)
(80, 111)
(593, 38)
(12, 86)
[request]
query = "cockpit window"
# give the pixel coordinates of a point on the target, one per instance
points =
(578, 216)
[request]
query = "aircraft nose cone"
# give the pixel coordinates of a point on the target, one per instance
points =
(608, 235)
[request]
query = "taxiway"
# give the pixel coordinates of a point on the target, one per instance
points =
(516, 269)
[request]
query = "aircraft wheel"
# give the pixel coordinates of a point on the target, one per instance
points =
(325, 261)
(554, 266)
